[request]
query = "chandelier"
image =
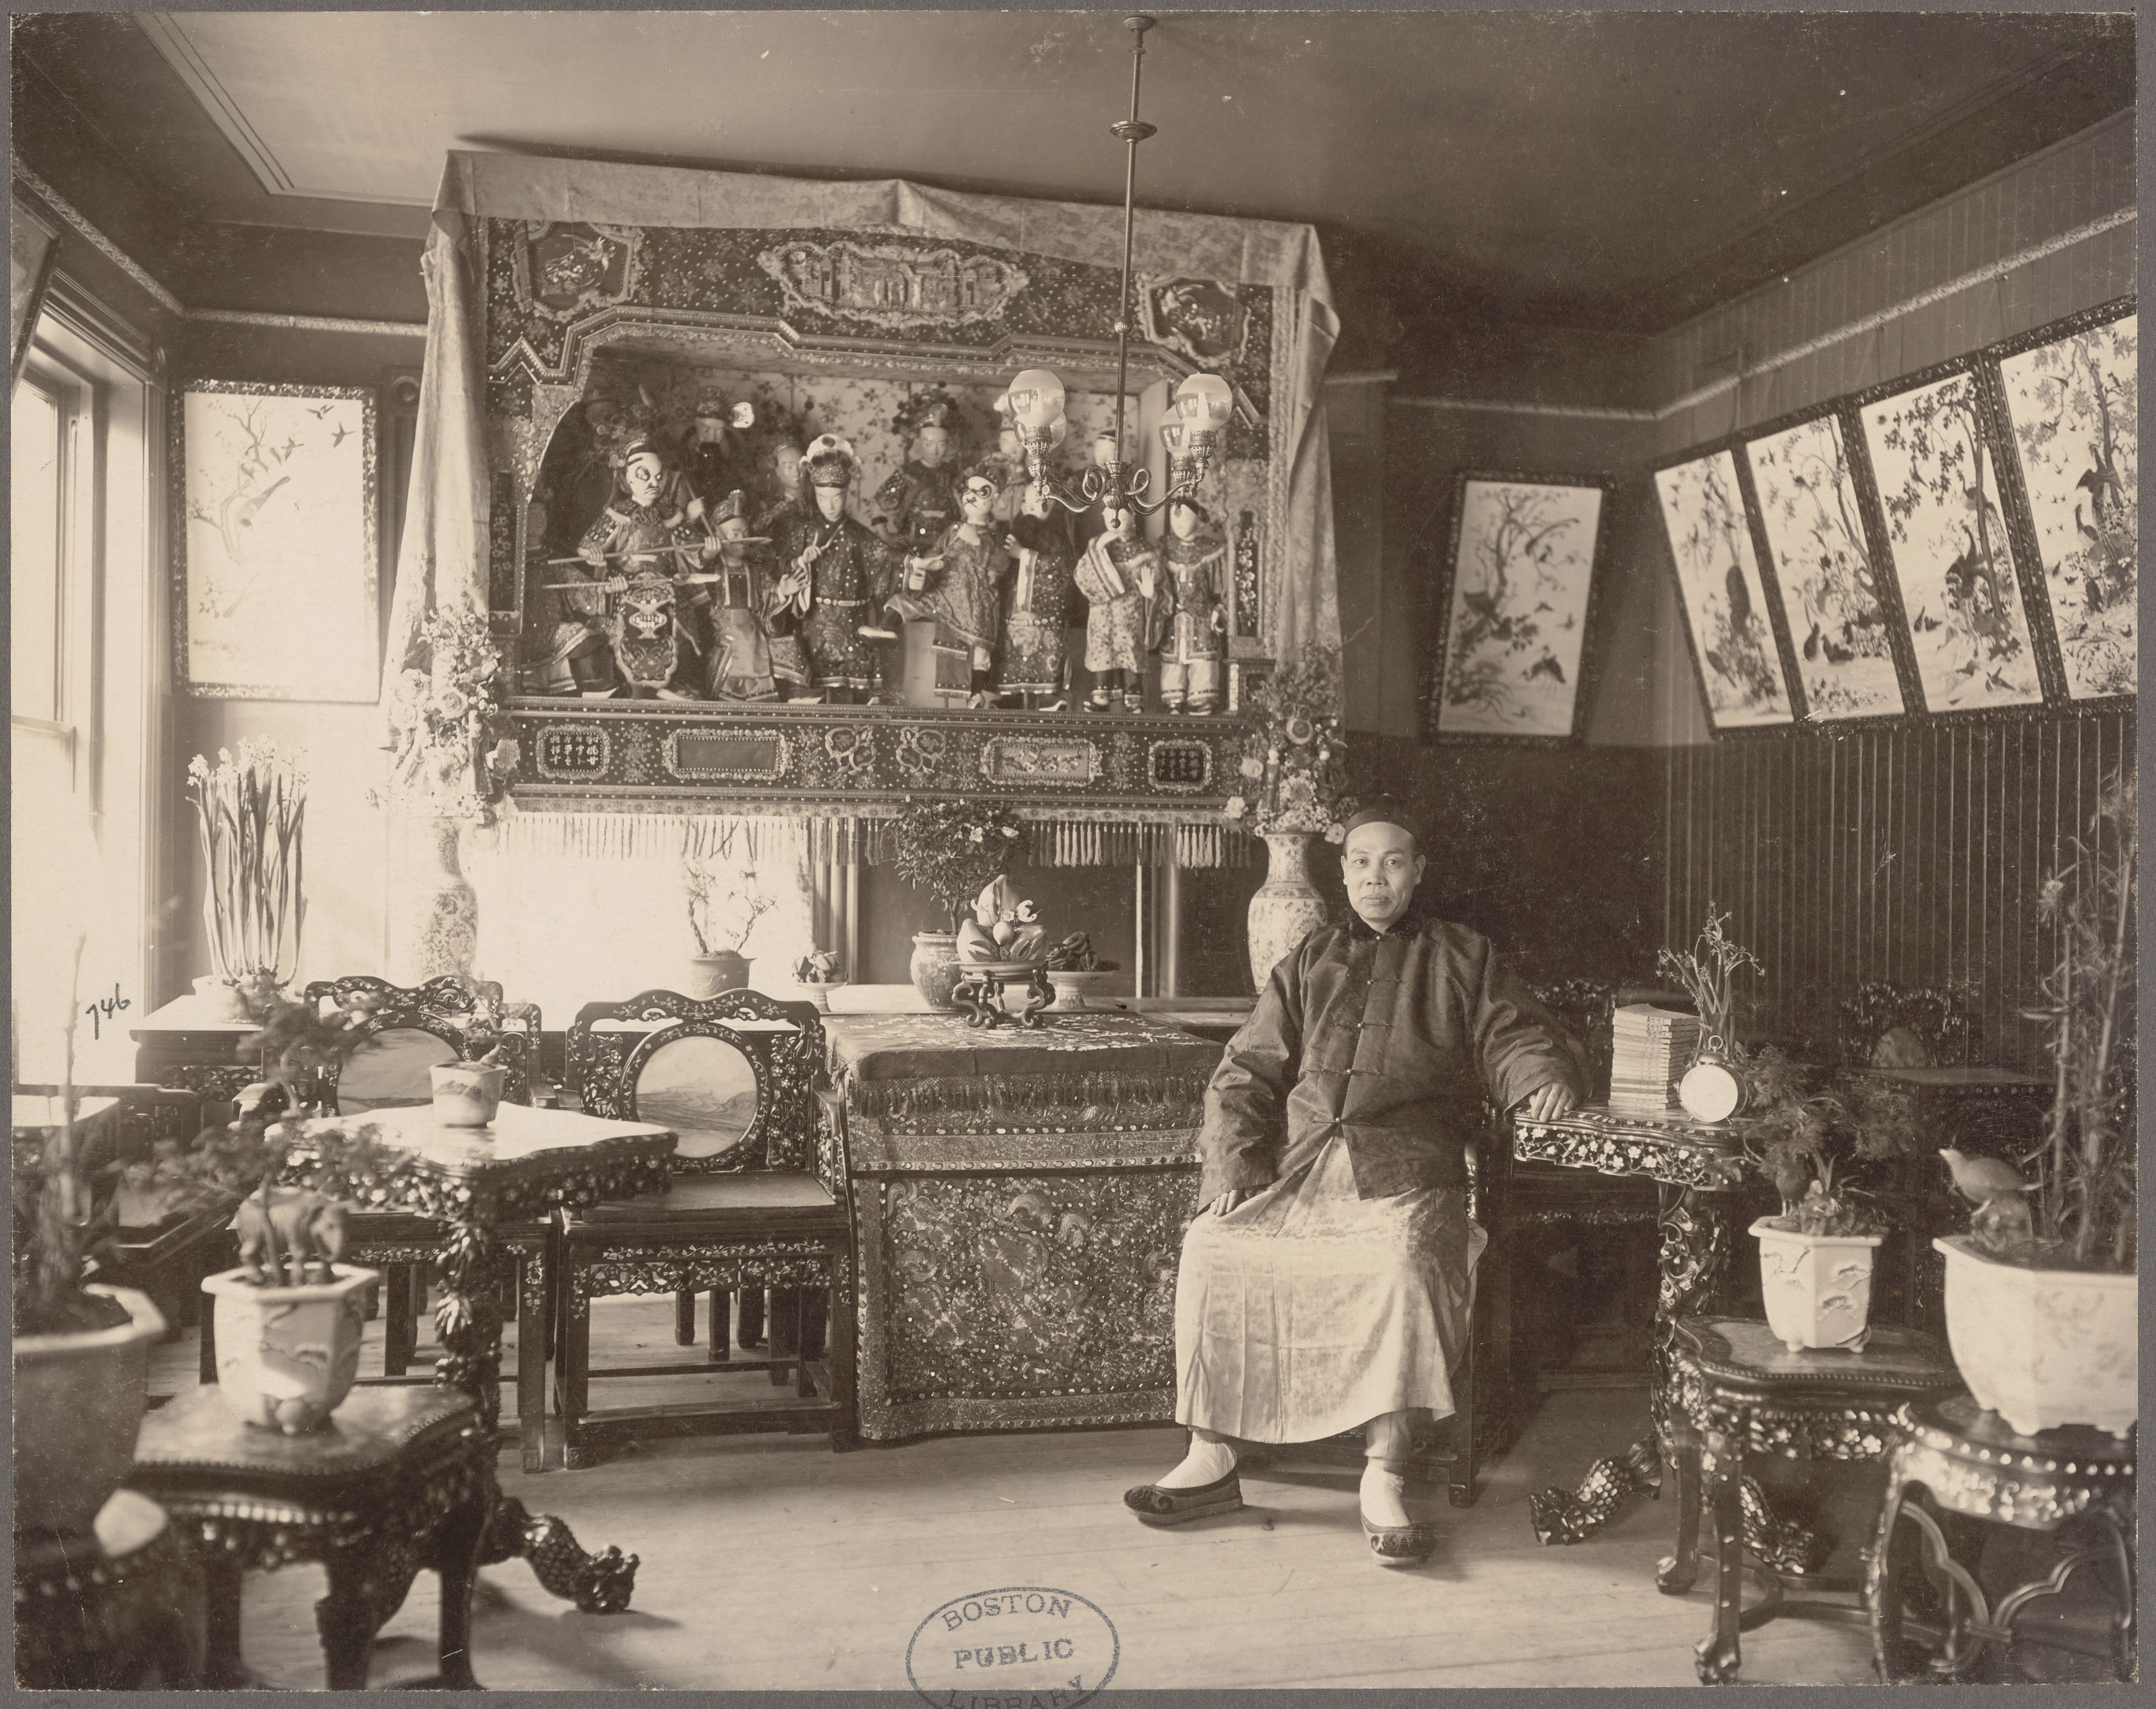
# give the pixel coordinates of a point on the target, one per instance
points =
(1203, 402)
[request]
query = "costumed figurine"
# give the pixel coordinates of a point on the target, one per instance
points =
(755, 612)
(1005, 928)
(959, 584)
(1035, 604)
(639, 604)
(848, 572)
(1193, 644)
(1119, 574)
(717, 455)
(1006, 465)
(785, 487)
(915, 506)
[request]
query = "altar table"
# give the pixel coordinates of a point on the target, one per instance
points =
(475, 1181)
(1019, 1198)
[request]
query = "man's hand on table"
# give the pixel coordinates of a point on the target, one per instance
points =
(1227, 1201)
(1547, 1102)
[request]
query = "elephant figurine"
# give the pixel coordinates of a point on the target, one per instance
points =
(310, 1230)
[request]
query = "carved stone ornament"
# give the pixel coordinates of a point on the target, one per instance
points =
(568, 270)
(1203, 318)
(892, 285)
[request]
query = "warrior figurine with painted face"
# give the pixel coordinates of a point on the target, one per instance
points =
(785, 487)
(1039, 591)
(848, 570)
(1119, 574)
(637, 613)
(1193, 644)
(755, 653)
(960, 584)
(915, 506)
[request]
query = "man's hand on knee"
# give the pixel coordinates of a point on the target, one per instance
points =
(1227, 1201)
(1549, 1101)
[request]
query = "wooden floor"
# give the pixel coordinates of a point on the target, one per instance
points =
(770, 1563)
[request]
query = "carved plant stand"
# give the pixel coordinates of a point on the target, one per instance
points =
(478, 1181)
(1736, 1390)
(980, 993)
(1695, 1167)
(99, 1619)
(400, 1478)
(1957, 1473)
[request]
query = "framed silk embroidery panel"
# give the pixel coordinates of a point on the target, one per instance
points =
(1930, 446)
(1515, 608)
(1836, 606)
(2072, 402)
(1728, 618)
(275, 542)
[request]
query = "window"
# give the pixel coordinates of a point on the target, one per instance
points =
(83, 700)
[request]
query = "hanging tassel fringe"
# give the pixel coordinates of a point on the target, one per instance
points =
(1077, 1103)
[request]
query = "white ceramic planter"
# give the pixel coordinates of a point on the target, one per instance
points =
(467, 1094)
(286, 1357)
(1817, 1287)
(78, 1400)
(2043, 1348)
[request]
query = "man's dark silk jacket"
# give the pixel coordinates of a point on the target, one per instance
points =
(1390, 1039)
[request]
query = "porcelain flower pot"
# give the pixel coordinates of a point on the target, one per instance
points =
(78, 1400)
(1287, 907)
(1817, 1287)
(467, 1094)
(2043, 1348)
(935, 966)
(222, 1000)
(286, 1357)
(1083, 987)
(710, 975)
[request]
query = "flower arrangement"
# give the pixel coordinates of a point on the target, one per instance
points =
(1706, 972)
(951, 849)
(725, 900)
(250, 813)
(451, 755)
(1293, 779)
(2086, 1204)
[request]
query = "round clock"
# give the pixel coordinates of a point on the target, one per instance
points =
(1711, 1091)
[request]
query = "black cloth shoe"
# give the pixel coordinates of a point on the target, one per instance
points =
(1155, 1506)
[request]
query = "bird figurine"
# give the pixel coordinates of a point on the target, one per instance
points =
(1792, 1173)
(1981, 1179)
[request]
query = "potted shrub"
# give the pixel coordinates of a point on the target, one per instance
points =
(1817, 1257)
(290, 1316)
(2041, 1301)
(724, 906)
(951, 850)
(82, 1351)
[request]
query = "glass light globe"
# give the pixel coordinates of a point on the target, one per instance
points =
(1205, 401)
(1036, 399)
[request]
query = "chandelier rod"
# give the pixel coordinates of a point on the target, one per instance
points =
(1132, 131)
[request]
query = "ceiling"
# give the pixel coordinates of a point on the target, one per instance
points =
(1616, 171)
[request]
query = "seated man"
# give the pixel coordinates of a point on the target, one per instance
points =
(1328, 1280)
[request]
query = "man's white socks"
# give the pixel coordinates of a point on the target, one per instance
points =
(1384, 1496)
(1208, 1462)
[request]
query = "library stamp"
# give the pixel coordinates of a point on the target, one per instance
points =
(1024, 1646)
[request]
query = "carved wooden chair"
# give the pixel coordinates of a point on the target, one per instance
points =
(758, 1197)
(1939, 1015)
(406, 1032)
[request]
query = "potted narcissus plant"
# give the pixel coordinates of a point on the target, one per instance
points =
(290, 1316)
(2041, 1301)
(1818, 1255)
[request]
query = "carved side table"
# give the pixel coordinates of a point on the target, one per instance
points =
(1696, 1167)
(183, 1044)
(477, 1182)
(99, 1620)
(399, 1479)
(1957, 1474)
(1738, 1391)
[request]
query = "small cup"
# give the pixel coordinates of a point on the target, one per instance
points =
(467, 1094)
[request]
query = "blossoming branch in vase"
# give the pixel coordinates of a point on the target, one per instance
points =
(1292, 776)
(452, 756)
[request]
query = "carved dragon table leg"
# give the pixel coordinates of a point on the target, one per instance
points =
(469, 1321)
(1695, 1250)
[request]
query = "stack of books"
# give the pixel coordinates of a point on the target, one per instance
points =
(1653, 1047)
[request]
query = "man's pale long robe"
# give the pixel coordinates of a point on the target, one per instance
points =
(1347, 1103)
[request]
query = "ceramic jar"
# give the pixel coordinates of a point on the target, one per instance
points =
(935, 966)
(1287, 907)
(724, 971)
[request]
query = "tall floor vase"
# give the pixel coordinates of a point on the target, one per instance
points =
(1287, 906)
(433, 911)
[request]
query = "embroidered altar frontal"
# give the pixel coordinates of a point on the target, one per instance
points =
(1020, 1201)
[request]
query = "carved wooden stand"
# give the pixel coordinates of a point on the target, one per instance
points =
(98, 1616)
(1958, 1470)
(979, 994)
(477, 1181)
